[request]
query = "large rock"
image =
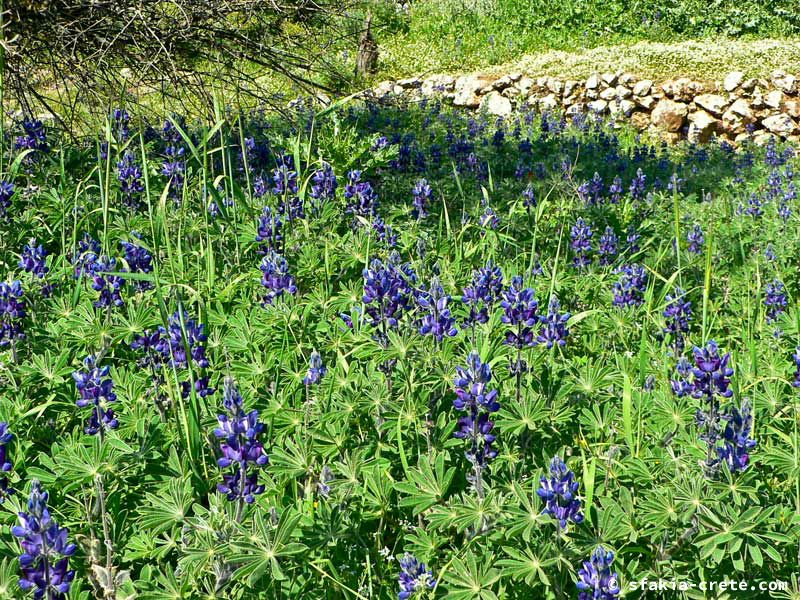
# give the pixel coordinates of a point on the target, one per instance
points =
(640, 119)
(713, 103)
(593, 82)
(669, 115)
(439, 83)
(784, 82)
(781, 125)
(733, 80)
(792, 108)
(598, 106)
(467, 89)
(643, 87)
(496, 104)
(702, 125)
(738, 115)
(774, 99)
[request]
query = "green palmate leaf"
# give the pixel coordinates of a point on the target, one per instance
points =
(472, 578)
(427, 485)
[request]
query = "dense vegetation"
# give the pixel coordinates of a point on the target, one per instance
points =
(470, 34)
(266, 358)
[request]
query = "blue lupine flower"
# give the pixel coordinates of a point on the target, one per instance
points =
(695, 239)
(422, 193)
(173, 168)
(139, 260)
(630, 287)
(12, 312)
(581, 236)
(632, 240)
(796, 357)
(560, 494)
(387, 292)
(284, 177)
(482, 293)
(269, 231)
(414, 577)
(121, 120)
(775, 299)
(323, 186)
(478, 403)
(6, 192)
(637, 187)
(316, 370)
(34, 259)
(129, 175)
(45, 550)
(519, 313)
(437, 319)
(109, 286)
(85, 255)
(529, 197)
(275, 277)
(736, 442)
(34, 137)
(677, 314)
(553, 330)
(596, 581)
(607, 250)
(754, 206)
(616, 190)
(96, 389)
(241, 448)
(5, 464)
(489, 219)
(383, 232)
(361, 198)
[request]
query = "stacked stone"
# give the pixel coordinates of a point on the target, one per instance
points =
(734, 109)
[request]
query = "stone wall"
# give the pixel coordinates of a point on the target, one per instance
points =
(734, 109)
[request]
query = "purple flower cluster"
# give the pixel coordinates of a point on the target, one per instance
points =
(696, 239)
(45, 550)
(109, 286)
(436, 319)
(34, 136)
(96, 389)
(422, 193)
(34, 259)
(775, 299)
(553, 330)
(387, 292)
(478, 403)
(5, 465)
(241, 448)
(581, 237)
(596, 581)
(323, 186)
(560, 494)
(482, 293)
(709, 381)
(6, 193)
(736, 442)
(414, 577)
(129, 175)
(607, 250)
(519, 313)
(361, 198)
(269, 233)
(316, 369)
(677, 315)
(139, 260)
(12, 312)
(796, 358)
(275, 277)
(630, 287)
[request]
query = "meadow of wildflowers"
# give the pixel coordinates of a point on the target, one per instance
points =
(394, 352)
